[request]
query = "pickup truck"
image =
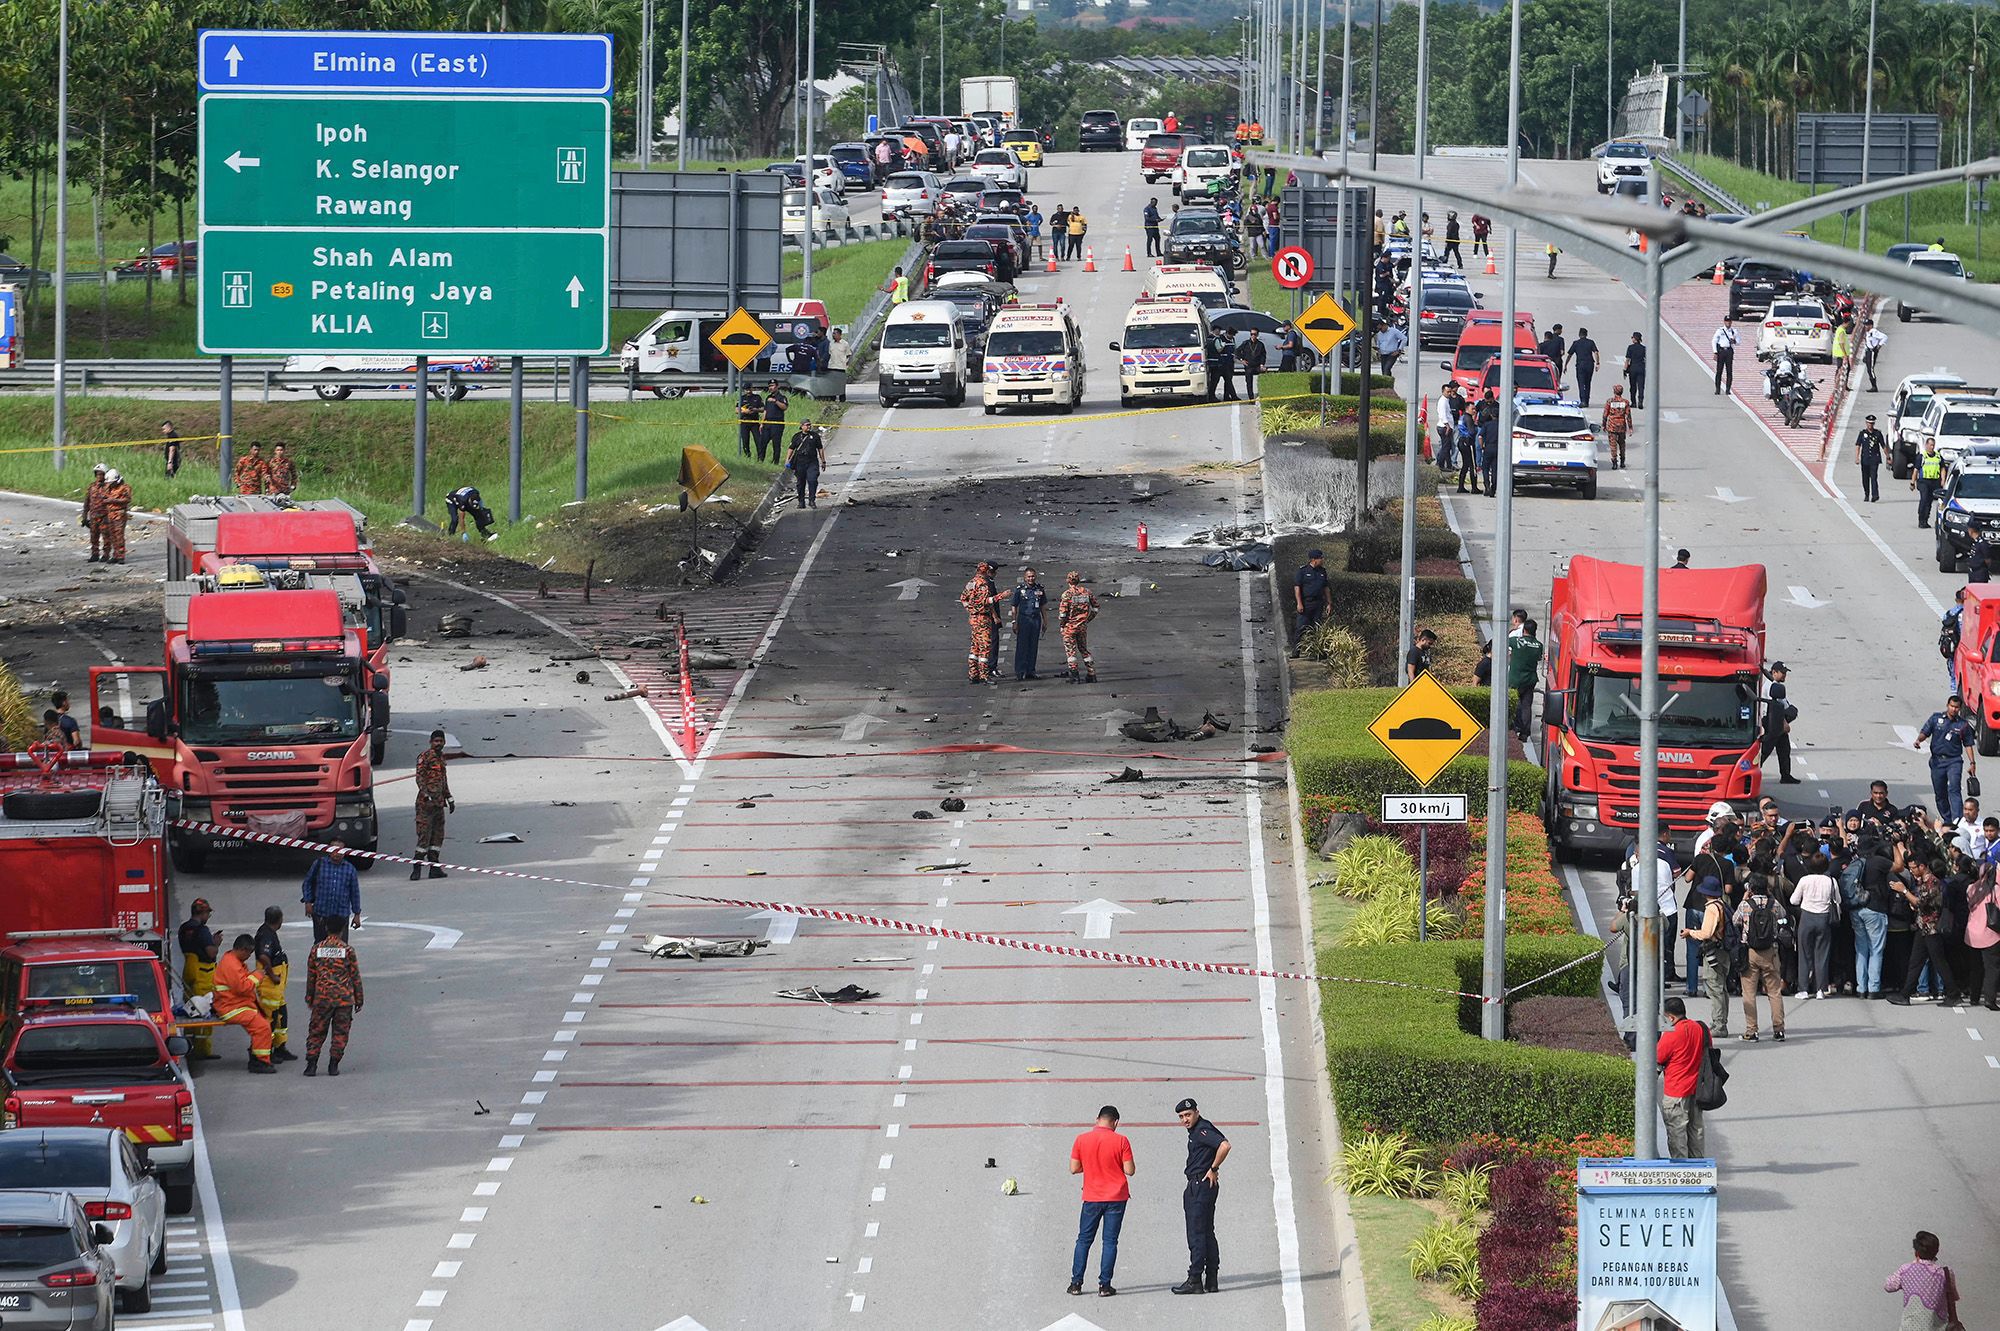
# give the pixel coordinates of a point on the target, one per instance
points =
(105, 1065)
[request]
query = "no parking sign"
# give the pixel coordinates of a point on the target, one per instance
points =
(1292, 266)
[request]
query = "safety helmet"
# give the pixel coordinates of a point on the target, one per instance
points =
(100, 467)
(114, 476)
(1719, 812)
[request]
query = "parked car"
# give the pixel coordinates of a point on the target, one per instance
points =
(962, 256)
(793, 172)
(1003, 201)
(1025, 144)
(829, 212)
(1936, 263)
(103, 1170)
(1554, 444)
(1197, 235)
(1010, 242)
(1959, 421)
(1100, 129)
(972, 279)
(1532, 374)
(1907, 406)
(1442, 316)
(856, 161)
(1001, 167)
(1161, 155)
(398, 373)
(1242, 325)
(1622, 161)
(1968, 510)
(826, 173)
(910, 193)
(1136, 130)
(162, 260)
(1757, 284)
(54, 1269)
(1798, 326)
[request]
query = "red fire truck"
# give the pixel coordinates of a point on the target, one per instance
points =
(258, 720)
(1711, 658)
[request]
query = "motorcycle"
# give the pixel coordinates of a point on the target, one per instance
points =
(1789, 388)
(1839, 301)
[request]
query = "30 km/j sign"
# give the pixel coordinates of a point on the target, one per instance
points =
(404, 193)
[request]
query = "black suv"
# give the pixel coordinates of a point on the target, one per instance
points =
(1101, 129)
(1757, 284)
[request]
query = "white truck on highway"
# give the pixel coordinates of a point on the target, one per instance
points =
(993, 94)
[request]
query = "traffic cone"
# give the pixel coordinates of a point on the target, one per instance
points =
(1128, 260)
(1090, 259)
(1492, 269)
(1717, 279)
(1052, 261)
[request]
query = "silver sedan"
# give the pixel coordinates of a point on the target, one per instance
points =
(116, 1187)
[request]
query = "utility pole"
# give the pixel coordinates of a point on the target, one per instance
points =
(1493, 1013)
(682, 119)
(62, 230)
(1867, 119)
(643, 99)
(1610, 106)
(1569, 133)
(1374, 110)
(1319, 90)
(812, 188)
(1646, 1082)
(1680, 80)
(1407, 581)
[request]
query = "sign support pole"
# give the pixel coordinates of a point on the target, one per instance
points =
(1423, 882)
(580, 395)
(226, 405)
(514, 440)
(420, 448)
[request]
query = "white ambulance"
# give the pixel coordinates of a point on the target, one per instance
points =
(1164, 352)
(1033, 354)
(1198, 280)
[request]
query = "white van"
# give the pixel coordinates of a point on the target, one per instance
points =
(922, 353)
(1198, 280)
(1201, 164)
(1033, 354)
(675, 343)
(1164, 352)
(1136, 130)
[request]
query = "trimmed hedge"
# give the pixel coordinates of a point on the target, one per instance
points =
(1376, 546)
(1337, 759)
(1377, 597)
(1411, 1061)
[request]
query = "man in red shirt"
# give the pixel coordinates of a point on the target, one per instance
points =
(1103, 1156)
(1683, 1045)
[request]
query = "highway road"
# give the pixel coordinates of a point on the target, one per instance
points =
(1868, 1123)
(539, 1099)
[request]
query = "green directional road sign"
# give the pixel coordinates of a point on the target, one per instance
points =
(406, 292)
(326, 162)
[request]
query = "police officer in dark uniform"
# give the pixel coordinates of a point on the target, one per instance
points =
(1312, 588)
(1869, 448)
(1207, 1149)
(749, 419)
(1950, 735)
(273, 969)
(1222, 364)
(1779, 714)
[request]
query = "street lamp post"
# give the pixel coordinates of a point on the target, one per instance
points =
(62, 228)
(1407, 588)
(643, 99)
(939, 7)
(1569, 133)
(1609, 105)
(812, 188)
(1319, 88)
(681, 138)
(1680, 65)
(1867, 118)
(1374, 128)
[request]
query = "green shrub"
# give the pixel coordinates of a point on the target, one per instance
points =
(1410, 1062)
(1385, 438)
(1371, 867)
(1336, 758)
(1465, 1190)
(1378, 1165)
(1448, 1251)
(1377, 597)
(1393, 919)
(1377, 546)
(1344, 652)
(1446, 1322)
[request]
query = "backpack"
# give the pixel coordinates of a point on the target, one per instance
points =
(1763, 931)
(1852, 894)
(1948, 634)
(1710, 1077)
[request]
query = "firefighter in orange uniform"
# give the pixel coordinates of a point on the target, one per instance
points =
(281, 477)
(978, 598)
(1073, 615)
(333, 992)
(117, 512)
(251, 473)
(236, 978)
(93, 511)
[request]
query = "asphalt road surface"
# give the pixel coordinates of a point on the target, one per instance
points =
(537, 1099)
(1868, 1123)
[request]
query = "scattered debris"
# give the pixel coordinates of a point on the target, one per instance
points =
(1172, 901)
(923, 813)
(455, 626)
(1240, 558)
(1152, 728)
(562, 804)
(1009, 1188)
(746, 804)
(647, 640)
(952, 804)
(1227, 534)
(583, 677)
(812, 993)
(698, 1200)
(572, 656)
(944, 866)
(991, 1163)
(703, 658)
(864, 961)
(500, 838)
(661, 946)
(479, 1107)
(476, 663)
(1038, 1069)
(1129, 774)
(1263, 748)
(639, 692)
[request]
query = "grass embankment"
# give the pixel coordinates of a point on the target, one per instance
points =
(1933, 213)
(844, 276)
(360, 451)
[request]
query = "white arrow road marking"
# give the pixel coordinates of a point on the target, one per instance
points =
(1906, 737)
(443, 938)
(1114, 719)
(1671, 417)
(1129, 586)
(1073, 1323)
(783, 927)
(234, 57)
(1583, 309)
(856, 726)
(236, 161)
(683, 1324)
(908, 588)
(575, 289)
(1805, 600)
(1097, 916)
(1729, 496)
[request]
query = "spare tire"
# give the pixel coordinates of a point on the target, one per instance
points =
(30, 806)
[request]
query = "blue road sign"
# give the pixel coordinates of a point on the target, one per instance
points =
(550, 64)
(874, 123)
(6, 315)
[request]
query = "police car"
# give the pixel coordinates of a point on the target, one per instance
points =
(1970, 507)
(1554, 443)
(1622, 161)
(398, 373)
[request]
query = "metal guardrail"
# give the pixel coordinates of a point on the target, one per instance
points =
(542, 374)
(1730, 203)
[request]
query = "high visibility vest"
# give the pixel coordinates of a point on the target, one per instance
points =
(1933, 467)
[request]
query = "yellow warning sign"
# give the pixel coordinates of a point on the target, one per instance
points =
(1325, 324)
(701, 475)
(1424, 728)
(741, 339)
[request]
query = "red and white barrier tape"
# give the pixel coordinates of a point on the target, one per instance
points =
(872, 921)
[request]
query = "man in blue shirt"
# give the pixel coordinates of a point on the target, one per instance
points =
(1029, 599)
(1950, 735)
(331, 892)
(1207, 1149)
